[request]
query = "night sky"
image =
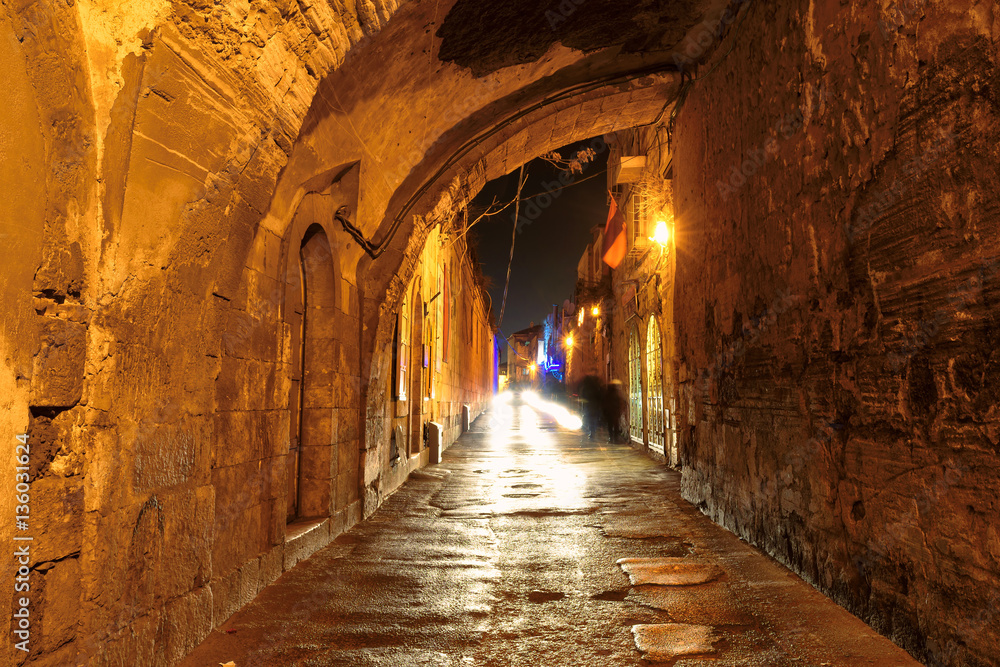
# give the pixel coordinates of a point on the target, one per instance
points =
(547, 250)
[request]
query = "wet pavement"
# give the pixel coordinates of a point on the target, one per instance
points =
(529, 545)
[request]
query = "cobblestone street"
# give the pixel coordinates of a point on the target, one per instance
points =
(508, 553)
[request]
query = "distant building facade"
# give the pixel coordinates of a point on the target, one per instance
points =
(588, 329)
(523, 356)
(623, 326)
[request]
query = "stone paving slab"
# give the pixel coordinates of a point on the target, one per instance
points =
(668, 571)
(507, 554)
(666, 641)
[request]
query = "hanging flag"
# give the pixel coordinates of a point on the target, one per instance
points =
(615, 244)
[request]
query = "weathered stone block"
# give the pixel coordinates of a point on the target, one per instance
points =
(231, 385)
(317, 426)
(57, 375)
(306, 544)
(314, 497)
(321, 374)
(233, 438)
(187, 622)
(57, 517)
(317, 462)
(56, 605)
(346, 490)
(135, 644)
(347, 428)
(120, 566)
(351, 392)
(321, 396)
(188, 526)
(166, 455)
(225, 599)
(270, 567)
(239, 492)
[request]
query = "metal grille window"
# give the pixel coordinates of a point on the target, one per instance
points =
(403, 350)
(634, 387)
(654, 386)
(448, 308)
(635, 211)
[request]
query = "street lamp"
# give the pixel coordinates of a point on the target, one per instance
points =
(661, 233)
(596, 311)
(569, 341)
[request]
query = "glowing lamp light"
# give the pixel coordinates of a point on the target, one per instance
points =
(596, 311)
(579, 318)
(569, 341)
(661, 234)
(533, 367)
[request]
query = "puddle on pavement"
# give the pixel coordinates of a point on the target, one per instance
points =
(542, 513)
(540, 597)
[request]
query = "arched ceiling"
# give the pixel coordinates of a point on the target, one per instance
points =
(487, 37)
(450, 94)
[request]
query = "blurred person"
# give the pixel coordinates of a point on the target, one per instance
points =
(613, 407)
(592, 394)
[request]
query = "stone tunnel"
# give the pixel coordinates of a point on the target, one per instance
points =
(236, 290)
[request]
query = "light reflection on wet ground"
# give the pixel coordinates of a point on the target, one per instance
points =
(506, 554)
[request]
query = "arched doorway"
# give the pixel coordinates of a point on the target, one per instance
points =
(634, 387)
(416, 370)
(654, 387)
(311, 447)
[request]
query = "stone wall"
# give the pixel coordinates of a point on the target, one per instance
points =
(836, 302)
(171, 157)
(166, 157)
(460, 368)
(643, 284)
(147, 346)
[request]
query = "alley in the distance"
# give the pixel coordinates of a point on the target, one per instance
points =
(510, 552)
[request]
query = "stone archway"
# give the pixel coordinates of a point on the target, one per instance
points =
(175, 144)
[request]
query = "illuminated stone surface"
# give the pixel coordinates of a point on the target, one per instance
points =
(667, 571)
(498, 556)
(829, 327)
(668, 641)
